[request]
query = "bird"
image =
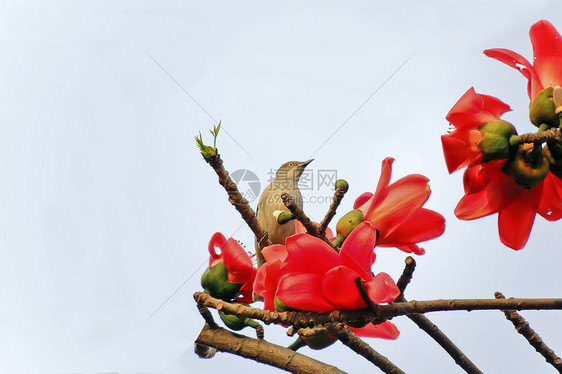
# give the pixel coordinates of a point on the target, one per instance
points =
(286, 180)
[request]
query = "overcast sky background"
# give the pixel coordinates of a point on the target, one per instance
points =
(106, 207)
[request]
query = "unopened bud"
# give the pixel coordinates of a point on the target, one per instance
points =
(233, 322)
(542, 109)
(342, 184)
(528, 167)
(214, 282)
(317, 341)
(348, 222)
(283, 216)
(553, 152)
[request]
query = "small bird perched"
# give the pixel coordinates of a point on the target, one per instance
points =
(286, 180)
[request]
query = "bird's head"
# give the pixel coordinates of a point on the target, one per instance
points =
(292, 170)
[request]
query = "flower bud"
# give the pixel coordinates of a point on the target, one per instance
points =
(318, 341)
(342, 183)
(214, 282)
(553, 152)
(528, 166)
(495, 140)
(542, 109)
(283, 216)
(233, 322)
(348, 222)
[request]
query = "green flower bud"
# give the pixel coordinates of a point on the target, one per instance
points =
(283, 216)
(348, 222)
(495, 143)
(233, 322)
(542, 109)
(318, 341)
(553, 152)
(527, 167)
(342, 183)
(214, 281)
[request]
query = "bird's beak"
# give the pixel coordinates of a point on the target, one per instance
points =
(304, 163)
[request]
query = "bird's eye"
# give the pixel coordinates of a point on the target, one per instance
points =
(290, 164)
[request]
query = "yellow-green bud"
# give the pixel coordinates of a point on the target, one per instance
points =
(233, 322)
(542, 109)
(318, 341)
(527, 167)
(342, 184)
(283, 216)
(348, 222)
(495, 140)
(214, 282)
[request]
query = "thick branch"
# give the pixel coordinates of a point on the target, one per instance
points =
(262, 351)
(239, 202)
(336, 200)
(532, 337)
(386, 311)
(550, 135)
(351, 340)
(310, 226)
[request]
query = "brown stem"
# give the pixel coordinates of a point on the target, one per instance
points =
(386, 311)
(262, 351)
(207, 316)
(336, 200)
(351, 340)
(407, 274)
(550, 135)
(532, 337)
(239, 202)
(360, 284)
(310, 226)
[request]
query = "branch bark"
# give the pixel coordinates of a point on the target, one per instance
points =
(532, 337)
(262, 351)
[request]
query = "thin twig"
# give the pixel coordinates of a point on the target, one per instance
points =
(262, 351)
(532, 337)
(360, 284)
(239, 202)
(207, 316)
(386, 311)
(407, 274)
(310, 226)
(336, 200)
(351, 340)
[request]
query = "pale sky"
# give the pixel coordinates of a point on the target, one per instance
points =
(106, 207)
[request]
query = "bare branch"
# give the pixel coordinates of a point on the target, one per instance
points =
(351, 340)
(261, 351)
(532, 337)
(336, 200)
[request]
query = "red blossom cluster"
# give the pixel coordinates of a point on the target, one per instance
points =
(516, 180)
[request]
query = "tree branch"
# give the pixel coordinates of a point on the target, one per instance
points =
(310, 226)
(351, 340)
(550, 135)
(239, 202)
(341, 189)
(532, 337)
(262, 351)
(386, 311)
(429, 327)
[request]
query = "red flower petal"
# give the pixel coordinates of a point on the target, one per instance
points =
(217, 241)
(237, 261)
(382, 289)
(456, 153)
(547, 49)
(550, 206)
(516, 220)
(265, 283)
(247, 289)
(514, 59)
(274, 252)
(421, 225)
(384, 180)
(385, 330)
(304, 291)
(357, 251)
(309, 254)
(412, 248)
(362, 199)
(338, 285)
(472, 109)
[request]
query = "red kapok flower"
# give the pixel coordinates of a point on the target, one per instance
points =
(546, 71)
(307, 274)
(489, 190)
(460, 146)
(238, 264)
(396, 210)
